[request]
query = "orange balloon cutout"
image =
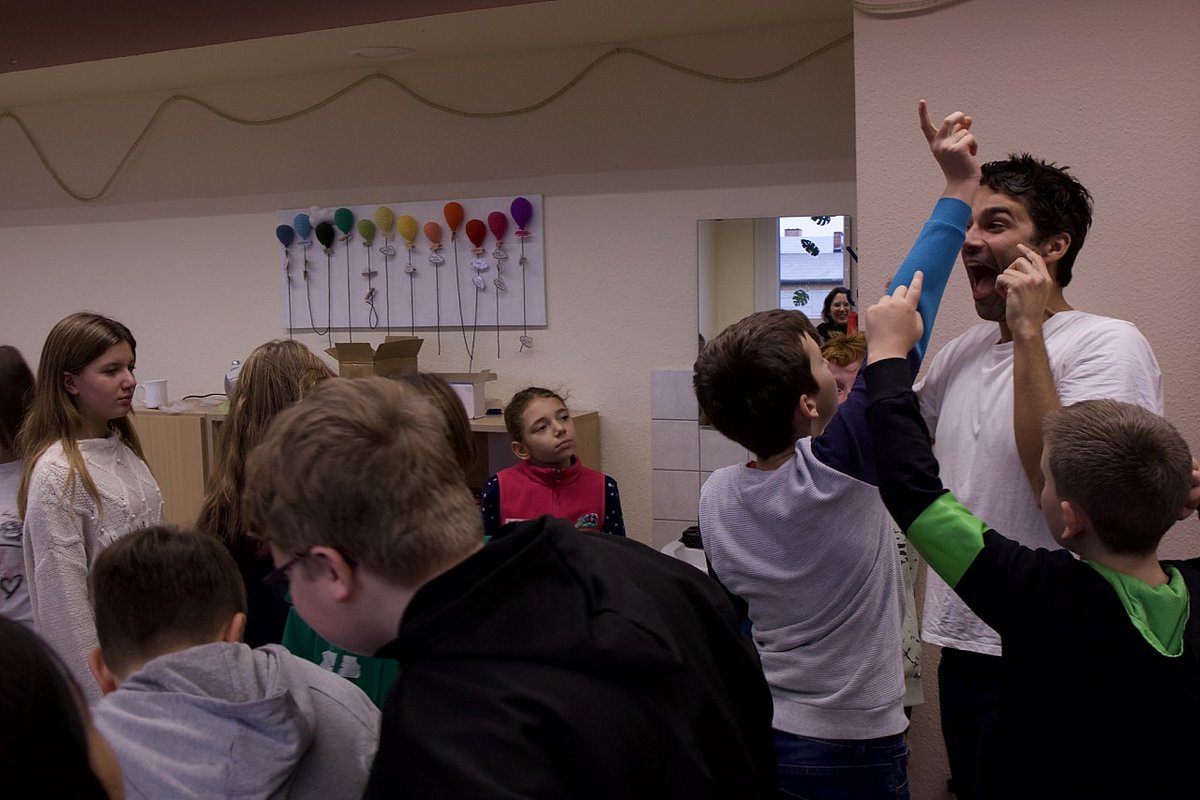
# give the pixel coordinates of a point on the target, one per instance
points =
(453, 212)
(433, 232)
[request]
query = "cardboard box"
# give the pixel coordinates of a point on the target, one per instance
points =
(396, 356)
(470, 387)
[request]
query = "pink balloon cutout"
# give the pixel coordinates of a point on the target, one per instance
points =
(433, 232)
(476, 232)
(498, 223)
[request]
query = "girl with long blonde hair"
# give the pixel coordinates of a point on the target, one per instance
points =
(85, 481)
(276, 375)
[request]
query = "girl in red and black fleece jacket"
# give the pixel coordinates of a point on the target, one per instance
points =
(548, 479)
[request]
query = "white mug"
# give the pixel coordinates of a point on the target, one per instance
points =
(156, 393)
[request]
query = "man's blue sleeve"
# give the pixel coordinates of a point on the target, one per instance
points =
(845, 444)
(934, 253)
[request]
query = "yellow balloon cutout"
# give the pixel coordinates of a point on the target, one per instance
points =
(407, 227)
(385, 221)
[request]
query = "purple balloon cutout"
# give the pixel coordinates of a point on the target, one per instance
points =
(303, 225)
(522, 212)
(285, 235)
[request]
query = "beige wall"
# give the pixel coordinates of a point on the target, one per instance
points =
(184, 251)
(1109, 88)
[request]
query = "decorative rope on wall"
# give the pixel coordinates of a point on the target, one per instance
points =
(184, 98)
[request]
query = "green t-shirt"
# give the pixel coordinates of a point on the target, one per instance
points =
(373, 675)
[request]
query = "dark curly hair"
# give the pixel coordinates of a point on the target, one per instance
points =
(1057, 202)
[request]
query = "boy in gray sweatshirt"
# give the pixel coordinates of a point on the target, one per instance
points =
(800, 534)
(193, 712)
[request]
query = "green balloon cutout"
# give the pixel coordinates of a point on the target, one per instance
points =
(366, 229)
(344, 219)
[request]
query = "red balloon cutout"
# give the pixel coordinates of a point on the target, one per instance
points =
(498, 223)
(476, 232)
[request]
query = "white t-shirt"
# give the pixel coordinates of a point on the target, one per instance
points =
(967, 401)
(14, 591)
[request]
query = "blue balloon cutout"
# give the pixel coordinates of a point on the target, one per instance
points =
(285, 235)
(302, 225)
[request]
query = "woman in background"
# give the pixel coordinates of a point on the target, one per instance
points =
(275, 376)
(835, 315)
(85, 481)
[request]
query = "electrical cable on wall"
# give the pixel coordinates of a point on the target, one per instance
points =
(883, 8)
(42, 157)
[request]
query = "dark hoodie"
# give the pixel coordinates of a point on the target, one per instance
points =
(555, 663)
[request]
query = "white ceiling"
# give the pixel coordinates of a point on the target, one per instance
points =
(550, 25)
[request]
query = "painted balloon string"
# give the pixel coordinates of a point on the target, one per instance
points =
(522, 213)
(385, 223)
(453, 213)
(406, 226)
(476, 232)
(433, 232)
(325, 236)
(366, 231)
(498, 224)
(286, 235)
(304, 229)
(343, 218)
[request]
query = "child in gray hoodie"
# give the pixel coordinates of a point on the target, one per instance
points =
(190, 710)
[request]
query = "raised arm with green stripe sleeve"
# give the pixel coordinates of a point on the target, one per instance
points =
(942, 530)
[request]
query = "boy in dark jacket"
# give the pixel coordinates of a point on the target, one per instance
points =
(547, 664)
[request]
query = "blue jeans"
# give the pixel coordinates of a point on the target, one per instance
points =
(842, 769)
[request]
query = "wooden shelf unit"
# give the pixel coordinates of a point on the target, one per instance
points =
(181, 452)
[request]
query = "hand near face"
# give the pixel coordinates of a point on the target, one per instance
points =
(893, 324)
(954, 148)
(1193, 501)
(1026, 287)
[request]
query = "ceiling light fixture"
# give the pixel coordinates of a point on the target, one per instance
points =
(382, 53)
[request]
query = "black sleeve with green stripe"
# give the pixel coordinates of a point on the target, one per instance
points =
(945, 533)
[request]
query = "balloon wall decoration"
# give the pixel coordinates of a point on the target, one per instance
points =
(522, 212)
(343, 218)
(433, 232)
(430, 231)
(498, 225)
(366, 232)
(476, 233)
(406, 226)
(303, 227)
(453, 213)
(286, 234)
(385, 223)
(325, 236)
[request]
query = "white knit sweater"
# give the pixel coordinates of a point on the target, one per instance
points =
(65, 531)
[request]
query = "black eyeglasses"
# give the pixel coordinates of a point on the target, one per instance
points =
(277, 579)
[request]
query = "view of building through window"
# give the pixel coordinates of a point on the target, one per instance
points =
(812, 275)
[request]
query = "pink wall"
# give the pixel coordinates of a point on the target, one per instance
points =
(1111, 89)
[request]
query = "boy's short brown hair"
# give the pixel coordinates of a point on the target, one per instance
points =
(161, 589)
(751, 376)
(1127, 468)
(362, 465)
(845, 349)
